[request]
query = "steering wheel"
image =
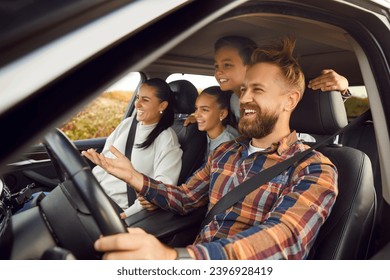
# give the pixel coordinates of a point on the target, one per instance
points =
(70, 165)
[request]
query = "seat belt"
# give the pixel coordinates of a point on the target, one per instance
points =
(131, 194)
(268, 174)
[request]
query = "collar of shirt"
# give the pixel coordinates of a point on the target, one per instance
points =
(213, 143)
(279, 147)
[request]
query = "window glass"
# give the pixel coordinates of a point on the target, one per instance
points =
(102, 115)
(199, 81)
(357, 104)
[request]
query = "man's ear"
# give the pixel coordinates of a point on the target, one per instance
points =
(292, 101)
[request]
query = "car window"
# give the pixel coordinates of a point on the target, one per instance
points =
(357, 104)
(100, 117)
(200, 81)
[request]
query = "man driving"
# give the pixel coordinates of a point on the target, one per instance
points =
(280, 219)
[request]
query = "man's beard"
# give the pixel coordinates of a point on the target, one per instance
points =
(261, 126)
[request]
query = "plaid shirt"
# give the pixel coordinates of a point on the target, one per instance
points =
(279, 220)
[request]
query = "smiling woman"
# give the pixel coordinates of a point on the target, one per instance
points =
(154, 148)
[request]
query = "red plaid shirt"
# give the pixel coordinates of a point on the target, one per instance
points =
(279, 220)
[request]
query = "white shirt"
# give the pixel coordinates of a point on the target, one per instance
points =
(160, 161)
(252, 149)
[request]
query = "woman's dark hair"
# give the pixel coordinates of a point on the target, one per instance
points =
(163, 93)
(245, 46)
(223, 100)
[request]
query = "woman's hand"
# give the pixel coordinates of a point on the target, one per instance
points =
(119, 167)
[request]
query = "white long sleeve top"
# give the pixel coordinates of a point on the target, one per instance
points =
(160, 161)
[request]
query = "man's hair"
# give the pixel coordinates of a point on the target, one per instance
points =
(244, 46)
(281, 55)
(163, 93)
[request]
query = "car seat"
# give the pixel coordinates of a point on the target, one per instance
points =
(347, 232)
(363, 138)
(192, 141)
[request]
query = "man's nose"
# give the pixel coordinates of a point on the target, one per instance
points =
(246, 96)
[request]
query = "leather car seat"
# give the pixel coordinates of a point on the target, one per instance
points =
(347, 232)
(192, 141)
(363, 138)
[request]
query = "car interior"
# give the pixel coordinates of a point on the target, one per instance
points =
(358, 227)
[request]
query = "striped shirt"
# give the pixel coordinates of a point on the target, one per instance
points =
(279, 220)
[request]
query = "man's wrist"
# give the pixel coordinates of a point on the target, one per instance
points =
(183, 254)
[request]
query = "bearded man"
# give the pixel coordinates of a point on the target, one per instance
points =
(280, 219)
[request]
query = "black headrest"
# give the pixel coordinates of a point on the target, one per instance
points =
(321, 113)
(185, 96)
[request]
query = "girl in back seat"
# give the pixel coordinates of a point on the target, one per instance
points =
(213, 115)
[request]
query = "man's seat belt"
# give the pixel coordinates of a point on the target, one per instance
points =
(131, 194)
(268, 174)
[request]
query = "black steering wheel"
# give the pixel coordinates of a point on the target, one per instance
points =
(70, 165)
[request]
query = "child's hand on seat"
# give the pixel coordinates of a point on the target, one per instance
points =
(329, 80)
(191, 119)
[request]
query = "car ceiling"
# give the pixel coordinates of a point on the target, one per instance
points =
(319, 45)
